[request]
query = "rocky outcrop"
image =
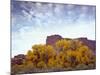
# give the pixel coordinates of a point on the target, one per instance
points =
(90, 43)
(18, 59)
(51, 40)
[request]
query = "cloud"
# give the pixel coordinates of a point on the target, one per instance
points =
(45, 12)
(33, 22)
(27, 36)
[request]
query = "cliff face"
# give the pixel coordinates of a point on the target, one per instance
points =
(90, 43)
(18, 59)
(51, 40)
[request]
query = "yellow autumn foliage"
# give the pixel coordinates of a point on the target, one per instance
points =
(65, 54)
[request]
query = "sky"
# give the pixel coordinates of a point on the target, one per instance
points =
(32, 22)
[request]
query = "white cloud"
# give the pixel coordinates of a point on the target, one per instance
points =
(40, 21)
(28, 36)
